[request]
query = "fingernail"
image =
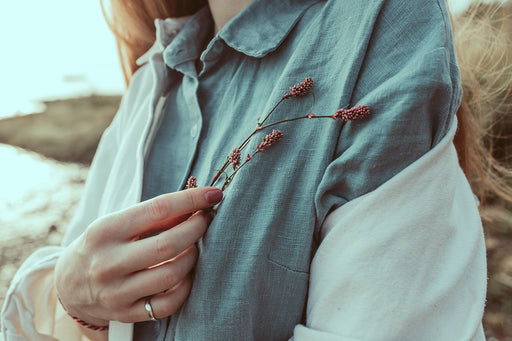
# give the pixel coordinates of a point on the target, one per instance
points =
(210, 214)
(214, 196)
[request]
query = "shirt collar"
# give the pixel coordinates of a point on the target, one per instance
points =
(263, 25)
(190, 41)
(256, 31)
(166, 30)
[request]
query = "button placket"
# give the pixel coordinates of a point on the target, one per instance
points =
(190, 85)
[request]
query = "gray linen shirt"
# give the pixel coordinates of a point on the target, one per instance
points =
(396, 56)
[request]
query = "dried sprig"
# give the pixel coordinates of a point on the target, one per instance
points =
(301, 89)
(234, 158)
(192, 182)
(269, 140)
(356, 113)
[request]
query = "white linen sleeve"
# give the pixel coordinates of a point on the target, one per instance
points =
(404, 262)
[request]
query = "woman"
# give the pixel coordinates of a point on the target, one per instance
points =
(359, 230)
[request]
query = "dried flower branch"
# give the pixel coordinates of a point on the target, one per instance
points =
(234, 158)
(269, 140)
(356, 113)
(192, 182)
(298, 90)
(301, 89)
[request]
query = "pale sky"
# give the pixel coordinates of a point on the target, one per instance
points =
(43, 41)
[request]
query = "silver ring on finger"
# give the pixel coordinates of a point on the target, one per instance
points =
(149, 309)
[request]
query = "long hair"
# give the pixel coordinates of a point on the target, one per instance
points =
(483, 39)
(484, 51)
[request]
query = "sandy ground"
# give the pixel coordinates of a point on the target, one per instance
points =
(39, 195)
(38, 198)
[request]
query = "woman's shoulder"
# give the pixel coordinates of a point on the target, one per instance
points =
(408, 16)
(368, 7)
(351, 27)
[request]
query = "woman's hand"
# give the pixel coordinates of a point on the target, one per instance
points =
(120, 260)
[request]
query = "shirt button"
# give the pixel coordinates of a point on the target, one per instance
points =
(193, 130)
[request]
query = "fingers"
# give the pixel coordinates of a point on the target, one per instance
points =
(163, 304)
(159, 213)
(121, 299)
(113, 268)
(152, 281)
(150, 231)
(165, 246)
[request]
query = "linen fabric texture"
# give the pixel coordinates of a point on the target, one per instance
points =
(341, 231)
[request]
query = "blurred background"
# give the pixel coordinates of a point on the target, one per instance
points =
(61, 82)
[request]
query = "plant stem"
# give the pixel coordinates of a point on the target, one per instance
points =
(259, 127)
(294, 119)
(229, 178)
(243, 144)
(270, 113)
